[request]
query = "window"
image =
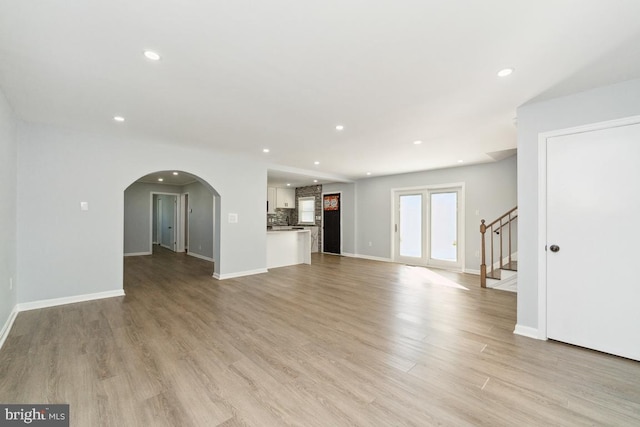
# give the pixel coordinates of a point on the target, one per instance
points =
(306, 210)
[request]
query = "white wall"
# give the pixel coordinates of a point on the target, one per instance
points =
(597, 105)
(8, 164)
(81, 252)
(490, 189)
(200, 219)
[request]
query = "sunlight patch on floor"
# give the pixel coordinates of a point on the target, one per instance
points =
(431, 277)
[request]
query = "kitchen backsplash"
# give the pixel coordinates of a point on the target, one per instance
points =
(281, 217)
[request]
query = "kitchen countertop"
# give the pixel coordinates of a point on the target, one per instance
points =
(289, 230)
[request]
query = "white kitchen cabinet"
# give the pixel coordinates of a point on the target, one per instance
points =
(285, 198)
(271, 200)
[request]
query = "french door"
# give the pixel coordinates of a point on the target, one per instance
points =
(428, 227)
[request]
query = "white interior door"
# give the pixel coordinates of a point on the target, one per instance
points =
(168, 221)
(158, 219)
(593, 230)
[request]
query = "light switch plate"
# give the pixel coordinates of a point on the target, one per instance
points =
(233, 218)
(84, 206)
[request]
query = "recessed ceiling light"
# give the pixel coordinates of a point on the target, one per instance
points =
(160, 179)
(315, 180)
(175, 173)
(339, 127)
(316, 162)
(118, 118)
(265, 150)
(460, 161)
(505, 72)
(149, 54)
(368, 173)
(417, 142)
(288, 185)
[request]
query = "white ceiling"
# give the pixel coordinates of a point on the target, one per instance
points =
(169, 178)
(244, 75)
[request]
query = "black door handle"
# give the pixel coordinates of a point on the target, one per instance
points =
(554, 248)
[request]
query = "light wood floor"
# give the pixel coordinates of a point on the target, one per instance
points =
(340, 342)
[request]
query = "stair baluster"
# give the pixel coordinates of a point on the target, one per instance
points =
(503, 221)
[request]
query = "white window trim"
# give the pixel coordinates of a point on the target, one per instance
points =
(300, 200)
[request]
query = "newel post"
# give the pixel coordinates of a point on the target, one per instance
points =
(483, 266)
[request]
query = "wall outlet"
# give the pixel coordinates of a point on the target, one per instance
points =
(477, 254)
(370, 244)
(10, 283)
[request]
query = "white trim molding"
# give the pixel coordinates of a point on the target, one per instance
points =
(8, 325)
(239, 274)
(369, 257)
(26, 306)
(137, 253)
(195, 255)
(529, 332)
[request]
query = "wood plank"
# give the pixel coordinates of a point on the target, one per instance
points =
(342, 341)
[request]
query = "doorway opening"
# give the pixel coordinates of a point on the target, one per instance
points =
(175, 211)
(428, 226)
(166, 220)
(332, 223)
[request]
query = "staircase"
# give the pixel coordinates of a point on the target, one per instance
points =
(498, 240)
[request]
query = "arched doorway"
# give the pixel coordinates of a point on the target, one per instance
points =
(171, 210)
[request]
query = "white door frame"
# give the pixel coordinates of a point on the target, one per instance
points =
(183, 235)
(158, 218)
(542, 206)
(177, 218)
(427, 189)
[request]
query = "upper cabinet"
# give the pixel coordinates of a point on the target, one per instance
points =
(271, 200)
(285, 198)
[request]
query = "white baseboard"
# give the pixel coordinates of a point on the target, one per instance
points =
(527, 331)
(26, 306)
(137, 253)
(372, 258)
(239, 274)
(471, 271)
(206, 258)
(7, 325)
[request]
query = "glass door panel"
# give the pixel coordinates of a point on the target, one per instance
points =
(410, 226)
(443, 240)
